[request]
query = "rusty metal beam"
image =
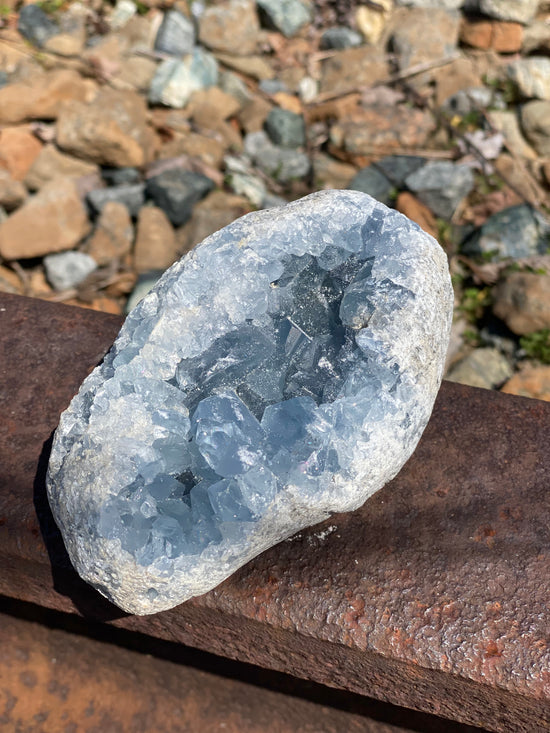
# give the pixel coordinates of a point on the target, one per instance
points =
(433, 596)
(56, 680)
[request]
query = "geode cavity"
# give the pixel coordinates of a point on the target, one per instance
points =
(282, 371)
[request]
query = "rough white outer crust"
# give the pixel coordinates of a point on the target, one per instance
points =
(80, 478)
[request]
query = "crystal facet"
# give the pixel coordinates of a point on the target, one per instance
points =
(282, 371)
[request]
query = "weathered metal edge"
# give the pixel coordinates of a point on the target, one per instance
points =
(378, 601)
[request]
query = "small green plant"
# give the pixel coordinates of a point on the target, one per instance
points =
(142, 8)
(471, 337)
(457, 279)
(393, 194)
(50, 6)
(507, 87)
(486, 184)
(474, 301)
(537, 345)
(5, 10)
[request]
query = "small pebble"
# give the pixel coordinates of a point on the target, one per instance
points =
(65, 270)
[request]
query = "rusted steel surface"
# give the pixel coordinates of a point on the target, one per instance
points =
(52, 680)
(433, 596)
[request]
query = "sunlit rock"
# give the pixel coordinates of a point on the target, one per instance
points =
(282, 371)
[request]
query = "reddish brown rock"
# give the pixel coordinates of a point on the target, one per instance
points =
(41, 99)
(507, 37)
(210, 104)
(38, 286)
(155, 247)
(413, 208)
(217, 210)
(331, 173)
(522, 301)
(112, 131)
(476, 33)
(113, 234)
(231, 27)
(18, 150)
(287, 101)
(9, 281)
(501, 36)
(16, 103)
(258, 67)
(208, 149)
(60, 86)
(462, 73)
(423, 35)
(12, 192)
(253, 115)
(101, 303)
(351, 68)
(380, 130)
(210, 109)
(51, 162)
(530, 381)
(53, 220)
(135, 72)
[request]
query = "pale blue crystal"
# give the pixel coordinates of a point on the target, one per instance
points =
(282, 371)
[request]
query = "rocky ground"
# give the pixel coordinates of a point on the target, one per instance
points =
(129, 132)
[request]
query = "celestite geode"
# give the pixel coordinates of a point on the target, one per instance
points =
(283, 370)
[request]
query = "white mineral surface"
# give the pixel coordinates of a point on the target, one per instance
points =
(282, 371)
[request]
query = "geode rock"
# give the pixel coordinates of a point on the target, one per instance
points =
(282, 371)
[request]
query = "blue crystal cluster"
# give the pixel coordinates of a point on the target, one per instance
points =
(262, 363)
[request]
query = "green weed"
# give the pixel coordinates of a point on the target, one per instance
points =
(537, 345)
(474, 302)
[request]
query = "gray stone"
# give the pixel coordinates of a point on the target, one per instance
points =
(176, 34)
(532, 75)
(515, 232)
(469, 100)
(283, 164)
(521, 11)
(132, 196)
(242, 180)
(397, 168)
(65, 270)
(285, 128)
(498, 337)
(176, 191)
(372, 181)
(282, 371)
(287, 16)
(339, 38)
(441, 186)
(35, 25)
(485, 367)
(232, 84)
(175, 80)
(535, 121)
(123, 11)
(272, 86)
(121, 176)
(271, 200)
